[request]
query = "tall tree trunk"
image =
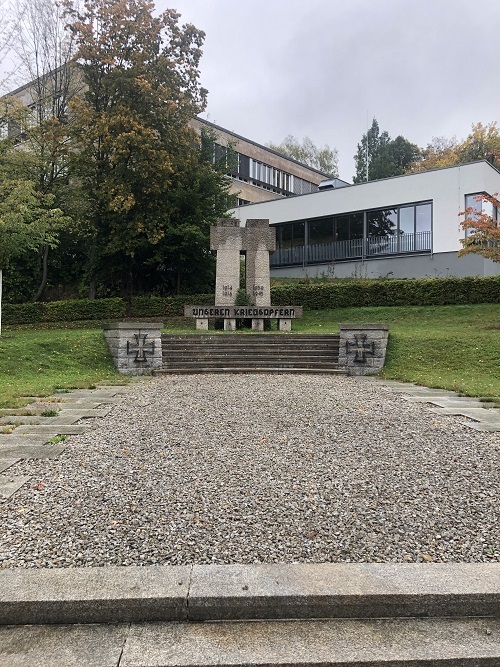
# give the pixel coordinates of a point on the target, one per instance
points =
(92, 288)
(45, 273)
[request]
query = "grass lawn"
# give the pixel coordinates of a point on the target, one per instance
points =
(36, 361)
(450, 347)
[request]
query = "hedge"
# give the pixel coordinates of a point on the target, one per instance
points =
(411, 292)
(100, 309)
(317, 296)
(63, 311)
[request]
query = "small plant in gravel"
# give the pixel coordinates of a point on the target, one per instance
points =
(57, 438)
(49, 413)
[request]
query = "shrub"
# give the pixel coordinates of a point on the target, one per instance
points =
(411, 292)
(63, 311)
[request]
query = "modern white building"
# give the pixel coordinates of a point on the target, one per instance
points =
(401, 227)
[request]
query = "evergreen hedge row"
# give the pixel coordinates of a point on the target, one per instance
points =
(99, 309)
(316, 296)
(411, 292)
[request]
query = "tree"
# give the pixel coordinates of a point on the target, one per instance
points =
(482, 229)
(134, 153)
(379, 156)
(324, 159)
(27, 216)
(483, 143)
(44, 50)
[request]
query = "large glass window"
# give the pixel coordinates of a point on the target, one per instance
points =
(423, 218)
(349, 227)
(321, 231)
(383, 222)
(298, 234)
(286, 235)
(407, 220)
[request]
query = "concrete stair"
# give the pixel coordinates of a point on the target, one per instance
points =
(250, 353)
(343, 615)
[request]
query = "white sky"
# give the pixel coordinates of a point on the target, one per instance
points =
(321, 68)
(325, 68)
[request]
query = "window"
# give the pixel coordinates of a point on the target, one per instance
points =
(383, 222)
(321, 231)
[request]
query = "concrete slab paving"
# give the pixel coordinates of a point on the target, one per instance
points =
(486, 418)
(6, 412)
(9, 484)
(483, 426)
(62, 645)
(478, 414)
(51, 429)
(7, 463)
(67, 412)
(445, 402)
(26, 451)
(374, 643)
(13, 439)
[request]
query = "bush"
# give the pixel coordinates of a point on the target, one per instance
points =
(63, 311)
(316, 296)
(411, 292)
(168, 306)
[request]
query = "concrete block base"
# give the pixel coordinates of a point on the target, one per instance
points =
(285, 325)
(135, 346)
(202, 324)
(362, 348)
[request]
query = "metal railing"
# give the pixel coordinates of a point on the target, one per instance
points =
(353, 249)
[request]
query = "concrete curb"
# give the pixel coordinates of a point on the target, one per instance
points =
(245, 592)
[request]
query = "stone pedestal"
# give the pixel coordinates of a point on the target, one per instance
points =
(362, 348)
(134, 346)
(285, 325)
(202, 324)
(229, 325)
(257, 324)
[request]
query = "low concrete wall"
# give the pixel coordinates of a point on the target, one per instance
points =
(134, 346)
(362, 348)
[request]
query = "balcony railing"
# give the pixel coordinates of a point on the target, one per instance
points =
(353, 249)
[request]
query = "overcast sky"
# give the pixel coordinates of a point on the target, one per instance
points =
(423, 68)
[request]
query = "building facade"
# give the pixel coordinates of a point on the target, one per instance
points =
(401, 227)
(258, 173)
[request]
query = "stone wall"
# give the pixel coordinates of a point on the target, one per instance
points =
(134, 346)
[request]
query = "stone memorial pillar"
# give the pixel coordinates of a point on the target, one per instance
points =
(228, 239)
(260, 241)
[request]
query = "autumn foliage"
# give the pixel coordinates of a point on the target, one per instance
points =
(482, 228)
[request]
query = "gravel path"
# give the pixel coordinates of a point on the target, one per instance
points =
(260, 468)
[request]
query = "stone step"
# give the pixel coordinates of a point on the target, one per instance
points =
(222, 337)
(256, 369)
(300, 615)
(316, 643)
(249, 363)
(245, 354)
(116, 594)
(258, 345)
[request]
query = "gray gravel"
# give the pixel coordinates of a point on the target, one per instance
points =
(260, 468)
